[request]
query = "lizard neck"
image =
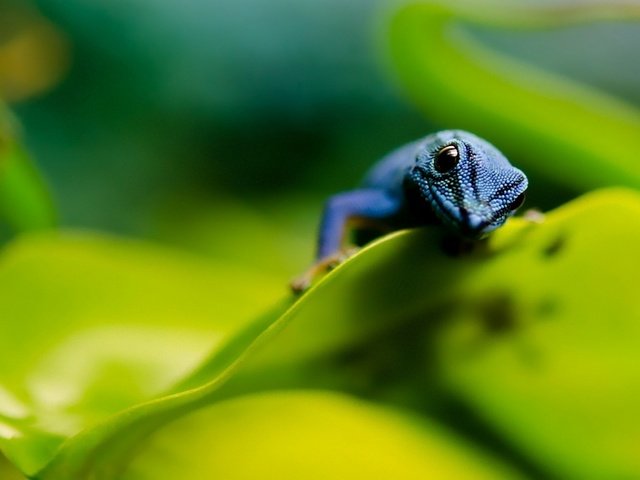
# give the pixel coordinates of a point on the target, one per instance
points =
(416, 211)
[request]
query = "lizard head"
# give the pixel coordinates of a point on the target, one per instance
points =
(469, 184)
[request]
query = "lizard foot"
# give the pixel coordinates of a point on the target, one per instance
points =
(533, 215)
(322, 266)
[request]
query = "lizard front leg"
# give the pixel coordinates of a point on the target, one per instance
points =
(339, 209)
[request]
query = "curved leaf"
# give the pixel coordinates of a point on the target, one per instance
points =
(572, 134)
(403, 281)
(539, 335)
(310, 435)
(92, 325)
(549, 356)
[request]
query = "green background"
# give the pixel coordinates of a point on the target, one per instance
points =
(162, 170)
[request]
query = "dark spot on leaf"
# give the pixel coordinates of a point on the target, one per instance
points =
(554, 247)
(395, 357)
(498, 314)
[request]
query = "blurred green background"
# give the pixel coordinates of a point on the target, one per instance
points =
(163, 110)
(189, 147)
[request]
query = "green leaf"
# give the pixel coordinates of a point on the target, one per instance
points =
(570, 133)
(310, 435)
(8, 471)
(25, 202)
(392, 305)
(550, 357)
(92, 325)
(538, 335)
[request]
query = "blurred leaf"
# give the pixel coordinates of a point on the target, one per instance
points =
(571, 133)
(550, 356)
(275, 236)
(8, 471)
(25, 203)
(92, 325)
(33, 53)
(403, 290)
(539, 334)
(310, 435)
(401, 281)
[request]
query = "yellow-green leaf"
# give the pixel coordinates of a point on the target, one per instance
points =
(92, 325)
(310, 435)
(401, 303)
(539, 335)
(555, 366)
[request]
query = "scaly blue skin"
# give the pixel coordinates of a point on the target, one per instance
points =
(451, 177)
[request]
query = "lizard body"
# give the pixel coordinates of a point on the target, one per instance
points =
(452, 178)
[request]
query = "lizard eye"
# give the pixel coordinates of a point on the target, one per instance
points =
(446, 159)
(517, 203)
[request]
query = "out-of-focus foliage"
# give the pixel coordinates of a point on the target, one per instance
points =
(554, 366)
(219, 127)
(33, 53)
(25, 203)
(115, 323)
(9, 471)
(307, 435)
(460, 322)
(566, 131)
(168, 103)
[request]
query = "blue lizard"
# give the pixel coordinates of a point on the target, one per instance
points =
(452, 178)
